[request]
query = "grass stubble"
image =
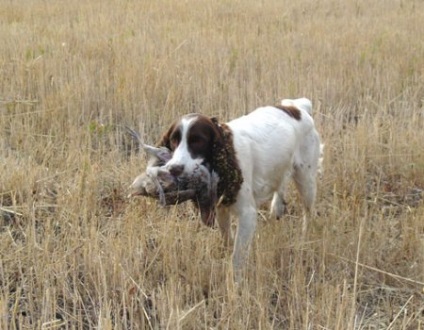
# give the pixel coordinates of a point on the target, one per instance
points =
(76, 254)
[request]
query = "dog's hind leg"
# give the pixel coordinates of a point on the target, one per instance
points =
(278, 204)
(306, 166)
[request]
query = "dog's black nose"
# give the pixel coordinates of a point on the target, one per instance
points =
(176, 170)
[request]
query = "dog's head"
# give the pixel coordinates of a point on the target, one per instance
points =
(192, 140)
(197, 141)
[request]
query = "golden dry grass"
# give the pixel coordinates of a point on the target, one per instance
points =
(75, 254)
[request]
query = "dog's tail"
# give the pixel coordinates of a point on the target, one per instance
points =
(302, 104)
(306, 105)
(321, 160)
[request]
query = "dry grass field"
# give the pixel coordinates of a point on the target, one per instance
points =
(75, 253)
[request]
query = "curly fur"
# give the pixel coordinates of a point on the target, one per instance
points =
(225, 164)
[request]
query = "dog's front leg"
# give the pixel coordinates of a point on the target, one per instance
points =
(247, 215)
(224, 222)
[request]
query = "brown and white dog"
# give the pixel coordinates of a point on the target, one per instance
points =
(254, 156)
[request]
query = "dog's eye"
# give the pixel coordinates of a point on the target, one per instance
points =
(196, 141)
(198, 145)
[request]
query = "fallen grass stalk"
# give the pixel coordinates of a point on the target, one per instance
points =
(402, 278)
(398, 314)
(353, 315)
(7, 210)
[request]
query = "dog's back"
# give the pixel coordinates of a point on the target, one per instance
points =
(271, 142)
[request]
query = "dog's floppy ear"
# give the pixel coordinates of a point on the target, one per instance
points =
(218, 138)
(218, 144)
(206, 203)
(225, 164)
